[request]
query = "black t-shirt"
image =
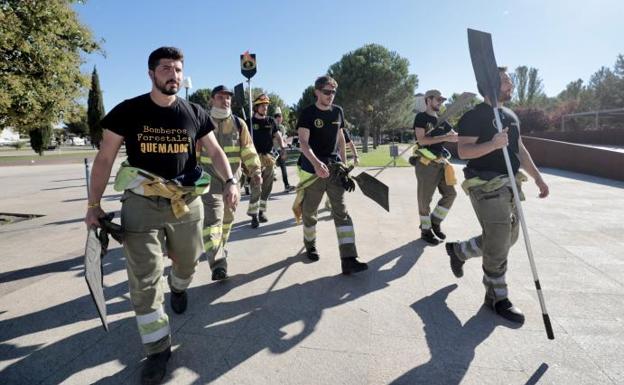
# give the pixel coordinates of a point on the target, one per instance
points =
(158, 139)
(428, 122)
(263, 131)
(323, 126)
(480, 122)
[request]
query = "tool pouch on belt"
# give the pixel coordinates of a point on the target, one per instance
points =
(339, 173)
(144, 183)
(494, 184)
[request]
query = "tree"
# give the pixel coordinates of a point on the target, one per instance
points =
(375, 88)
(307, 98)
(40, 138)
(40, 47)
(95, 109)
(201, 97)
(528, 86)
(535, 88)
(455, 119)
(573, 91)
(520, 79)
(532, 119)
(77, 122)
(606, 88)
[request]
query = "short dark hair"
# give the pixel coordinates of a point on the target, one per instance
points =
(501, 70)
(324, 80)
(164, 53)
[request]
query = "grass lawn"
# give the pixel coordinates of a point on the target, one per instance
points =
(47, 155)
(380, 157)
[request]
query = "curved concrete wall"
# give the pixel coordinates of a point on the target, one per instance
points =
(571, 157)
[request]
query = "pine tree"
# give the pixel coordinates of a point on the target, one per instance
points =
(95, 109)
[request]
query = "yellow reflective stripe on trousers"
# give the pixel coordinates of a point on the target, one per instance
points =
(425, 222)
(440, 212)
(346, 234)
(153, 326)
(309, 233)
(211, 230)
(208, 160)
(179, 284)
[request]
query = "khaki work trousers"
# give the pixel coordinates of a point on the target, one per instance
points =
(498, 216)
(149, 227)
(313, 194)
(429, 177)
(217, 225)
(260, 193)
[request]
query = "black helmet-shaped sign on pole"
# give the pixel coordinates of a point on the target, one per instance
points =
(248, 64)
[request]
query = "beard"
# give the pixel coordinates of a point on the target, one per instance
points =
(505, 97)
(169, 87)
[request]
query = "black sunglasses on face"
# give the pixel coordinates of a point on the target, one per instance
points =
(328, 92)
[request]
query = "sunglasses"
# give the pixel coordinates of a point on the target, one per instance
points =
(328, 92)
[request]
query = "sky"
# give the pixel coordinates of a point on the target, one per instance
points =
(297, 41)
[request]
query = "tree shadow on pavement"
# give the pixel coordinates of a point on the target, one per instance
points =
(213, 337)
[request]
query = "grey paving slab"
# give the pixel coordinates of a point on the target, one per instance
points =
(280, 319)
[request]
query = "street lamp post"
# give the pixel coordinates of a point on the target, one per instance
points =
(186, 83)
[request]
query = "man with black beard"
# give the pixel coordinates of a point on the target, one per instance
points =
(161, 207)
(488, 185)
(433, 171)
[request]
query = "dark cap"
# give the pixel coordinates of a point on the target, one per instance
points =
(223, 89)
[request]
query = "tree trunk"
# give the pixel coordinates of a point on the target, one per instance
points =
(365, 138)
(375, 138)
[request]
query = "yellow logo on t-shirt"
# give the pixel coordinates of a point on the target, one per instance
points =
(163, 140)
(318, 123)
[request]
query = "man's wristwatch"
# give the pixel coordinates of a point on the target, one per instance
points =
(231, 180)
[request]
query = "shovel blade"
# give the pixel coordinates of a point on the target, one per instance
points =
(374, 189)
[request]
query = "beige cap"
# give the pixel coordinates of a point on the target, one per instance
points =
(434, 93)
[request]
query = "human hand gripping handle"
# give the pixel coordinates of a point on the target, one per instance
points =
(501, 139)
(94, 213)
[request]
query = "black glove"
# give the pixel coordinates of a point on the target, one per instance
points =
(342, 175)
(108, 227)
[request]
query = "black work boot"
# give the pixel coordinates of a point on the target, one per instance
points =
(155, 367)
(262, 218)
(312, 254)
(437, 231)
(254, 221)
(219, 274)
(507, 310)
(427, 236)
(457, 265)
(179, 300)
(352, 265)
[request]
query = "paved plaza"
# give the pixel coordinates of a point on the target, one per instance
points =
(280, 319)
